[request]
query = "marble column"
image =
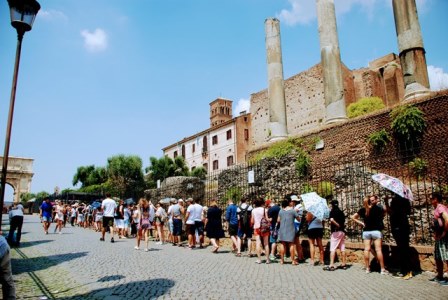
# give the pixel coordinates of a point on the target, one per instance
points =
(331, 62)
(276, 91)
(410, 46)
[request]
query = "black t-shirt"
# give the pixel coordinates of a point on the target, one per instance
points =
(400, 209)
(339, 218)
(273, 213)
(374, 221)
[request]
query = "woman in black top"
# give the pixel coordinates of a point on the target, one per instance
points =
(213, 225)
(372, 223)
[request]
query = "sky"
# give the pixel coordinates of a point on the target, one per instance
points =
(107, 77)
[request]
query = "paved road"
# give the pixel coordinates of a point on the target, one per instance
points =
(76, 265)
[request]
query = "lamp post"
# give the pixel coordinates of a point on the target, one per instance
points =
(23, 13)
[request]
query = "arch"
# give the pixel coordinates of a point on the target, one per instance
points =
(19, 175)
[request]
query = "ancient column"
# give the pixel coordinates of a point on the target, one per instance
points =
(410, 46)
(331, 62)
(276, 91)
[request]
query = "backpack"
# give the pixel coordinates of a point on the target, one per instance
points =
(265, 225)
(244, 217)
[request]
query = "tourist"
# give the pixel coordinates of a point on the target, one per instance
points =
(213, 225)
(6, 279)
(146, 216)
(372, 224)
(177, 210)
(286, 231)
(15, 223)
(440, 228)
(160, 218)
(170, 220)
(134, 221)
(46, 210)
(190, 217)
(245, 227)
(80, 214)
(337, 238)
(273, 211)
(199, 222)
(98, 219)
(73, 213)
(315, 235)
(399, 210)
(59, 216)
(260, 237)
(298, 207)
(109, 207)
(119, 219)
(232, 226)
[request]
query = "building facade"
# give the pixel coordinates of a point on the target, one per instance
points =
(222, 145)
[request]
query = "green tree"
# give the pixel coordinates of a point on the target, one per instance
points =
(199, 172)
(126, 175)
(25, 197)
(161, 168)
(180, 167)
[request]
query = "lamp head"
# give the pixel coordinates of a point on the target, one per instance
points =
(23, 13)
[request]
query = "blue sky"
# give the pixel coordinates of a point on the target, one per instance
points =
(107, 77)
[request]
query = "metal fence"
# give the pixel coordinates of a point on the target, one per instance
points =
(347, 180)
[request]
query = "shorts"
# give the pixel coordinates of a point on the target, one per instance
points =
(233, 229)
(177, 227)
(80, 218)
(245, 231)
(170, 226)
(190, 229)
(315, 233)
(258, 232)
(108, 222)
(371, 235)
(47, 219)
(98, 218)
(441, 249)
(337, 240)
(119, 223)
(297, 229)
(199, 226)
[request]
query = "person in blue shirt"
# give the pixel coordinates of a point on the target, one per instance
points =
(46, 211)
(232, 220)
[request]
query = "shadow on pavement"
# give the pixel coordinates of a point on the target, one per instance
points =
(34, 243)
(26, 264)
(111, 278)
(147, 289)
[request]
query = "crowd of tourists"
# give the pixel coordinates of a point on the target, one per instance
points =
(276, 228)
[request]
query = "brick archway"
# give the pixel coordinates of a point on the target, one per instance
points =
(19, 175)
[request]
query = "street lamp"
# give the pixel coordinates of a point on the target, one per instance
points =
(23, 13)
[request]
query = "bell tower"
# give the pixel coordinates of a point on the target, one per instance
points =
(220, 111)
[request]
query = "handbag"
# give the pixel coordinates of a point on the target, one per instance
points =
(265, 225)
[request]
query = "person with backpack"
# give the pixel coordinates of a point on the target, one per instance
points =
(245, 230)
(232, 221)
(259, 219)
(440, 228)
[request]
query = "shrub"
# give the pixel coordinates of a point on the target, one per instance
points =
(379, 140)
(419, 167)
(303, 162)
(364, 106)
(233, 193)
(408, 123)
(325, 189)
(306, 188)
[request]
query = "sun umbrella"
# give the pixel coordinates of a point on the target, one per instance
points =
(394, 185)
(129, 201)
(165, 201)
(316, 205)
(96, 204)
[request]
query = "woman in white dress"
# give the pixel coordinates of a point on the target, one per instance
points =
(59, 216)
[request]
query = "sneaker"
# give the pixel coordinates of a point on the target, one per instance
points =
(272, 257)
(60, 232)
(367, 271)
(136, 248)
(407, 276)
(437, 279)
(146, 250)
(159, 243)
(112, 240)
(384, 272)
(101, 239)
(444, 283)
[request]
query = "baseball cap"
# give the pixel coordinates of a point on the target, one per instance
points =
(189, 200)
(294, 198)
(268, 202)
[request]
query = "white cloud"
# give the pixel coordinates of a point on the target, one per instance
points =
(438, 80)
(95, 41)
(242, 105)
(52, 15)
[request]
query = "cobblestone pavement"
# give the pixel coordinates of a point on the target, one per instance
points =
(76, 265)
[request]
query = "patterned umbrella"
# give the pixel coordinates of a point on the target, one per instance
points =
(394, 185)
(316, 205)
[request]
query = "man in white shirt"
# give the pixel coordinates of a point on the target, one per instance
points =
(190, 223)
(16, 222)
(199, 222)
(109, 207)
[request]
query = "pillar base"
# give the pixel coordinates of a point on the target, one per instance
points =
(277, 131)
(415, 91)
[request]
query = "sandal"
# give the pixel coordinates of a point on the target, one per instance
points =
(344, 267)
(238, 255)
(328, 268)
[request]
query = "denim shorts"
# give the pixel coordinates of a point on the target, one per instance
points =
(47, 219)
(371, 235)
